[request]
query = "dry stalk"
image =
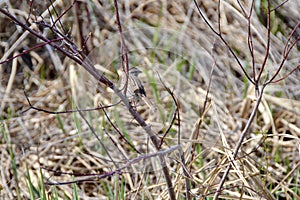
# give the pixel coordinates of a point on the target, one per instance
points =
(255, 80)
(76, 55)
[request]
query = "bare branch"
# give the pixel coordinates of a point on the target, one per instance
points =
(97, 177)
(62, 112)
(268, 41)
(124, 56)
(99, 140)
(219, 34)
(119, 132)
(239, 143)
(30, 49)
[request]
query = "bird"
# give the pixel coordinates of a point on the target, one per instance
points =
(135, 89)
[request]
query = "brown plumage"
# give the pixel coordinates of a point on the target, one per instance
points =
(135, 90)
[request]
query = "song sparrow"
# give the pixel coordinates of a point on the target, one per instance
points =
(135, 90)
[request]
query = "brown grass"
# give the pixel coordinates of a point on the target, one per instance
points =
(165, 38)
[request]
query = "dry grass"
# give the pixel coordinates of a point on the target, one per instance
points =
(165, 38)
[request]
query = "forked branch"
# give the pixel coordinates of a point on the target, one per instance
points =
(255, 80)
(70, 50)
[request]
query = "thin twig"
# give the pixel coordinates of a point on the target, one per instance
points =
(99, 140)
(239, 143)
(124, 56)
(219, 34)
(174, 115)
(133, 112)
(30, 49)
(97, 177)
(62, 112)
(182, 158)
(103, 79)
(119, 132)
(268, 44)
